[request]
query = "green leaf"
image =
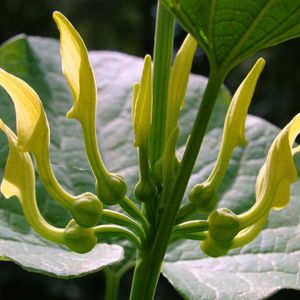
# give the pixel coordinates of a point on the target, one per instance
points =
(42, 257)
(267, 264)
(230, 31)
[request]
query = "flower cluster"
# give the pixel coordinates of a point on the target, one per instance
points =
(222, 231)
(33, 136)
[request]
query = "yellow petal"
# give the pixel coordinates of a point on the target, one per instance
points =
(178, 81)
(79, 74)
(234, 127)
(143, 105)
(203, 195)
(77, 70)
(135, 92)
(279, 171)
(32, 125)
(18, 177)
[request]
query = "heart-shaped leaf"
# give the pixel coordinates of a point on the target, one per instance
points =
(230, 31)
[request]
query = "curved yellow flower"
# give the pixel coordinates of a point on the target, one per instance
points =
(233, 136)
(77, 70)
(34, 136)
(19, 181)
(276, 175)
(79, 74)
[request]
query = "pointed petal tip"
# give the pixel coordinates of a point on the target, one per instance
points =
(147, 59)
(56, 15)
(259, 65)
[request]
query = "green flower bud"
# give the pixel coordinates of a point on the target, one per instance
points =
(223, 227)
(79, 239)
(112, 190)
(87, 210)
(204, 198)
(214, 248)
(145, 191)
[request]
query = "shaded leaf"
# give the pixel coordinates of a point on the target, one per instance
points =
(230, 31)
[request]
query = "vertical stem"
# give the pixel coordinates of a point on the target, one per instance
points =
(149, 263)
(147, 268)
(112, 282)
(187, 164)
(163, 50)
(145, 277)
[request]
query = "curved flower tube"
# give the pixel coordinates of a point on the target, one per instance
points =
(248, 234)
(203, 195)
(19, 181)
(76, 67)
(34, 136)
(276, 175)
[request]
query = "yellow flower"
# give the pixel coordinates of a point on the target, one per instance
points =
(276, 175)
(203, 195)
(78, 71)
(142, 105)
(34, 136)
(179, 76)
(19, 181)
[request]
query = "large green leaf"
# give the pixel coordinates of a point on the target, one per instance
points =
(230, 30)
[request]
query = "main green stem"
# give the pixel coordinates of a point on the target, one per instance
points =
(145, 278)
(163, 51)
(147, 269)
(187, 164)
(148, 266)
